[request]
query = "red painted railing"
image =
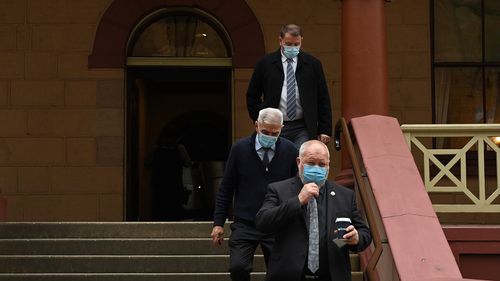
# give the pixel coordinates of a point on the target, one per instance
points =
(419, 250)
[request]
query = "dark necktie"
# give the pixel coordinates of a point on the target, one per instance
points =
(265, 157)
(291, 96)
(313, 252)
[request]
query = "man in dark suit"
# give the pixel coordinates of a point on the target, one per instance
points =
(253, 163)
(292, 81)
(302, 211)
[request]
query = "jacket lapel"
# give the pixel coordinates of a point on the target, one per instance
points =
(332, 209)
(300, 61)
(276, 60)
(332, 205)
(295, 190)
(298, 75)
(252, 148)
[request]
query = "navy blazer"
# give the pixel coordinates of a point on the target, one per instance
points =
(281, 212)
(266, 85)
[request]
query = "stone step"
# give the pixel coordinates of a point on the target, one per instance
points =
(120, 251)
(356, 276)
(108, 246)
(122, 264)
(126, 277)
(107, 229)
(127, 264)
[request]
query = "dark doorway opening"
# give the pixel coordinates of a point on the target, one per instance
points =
(178, 137)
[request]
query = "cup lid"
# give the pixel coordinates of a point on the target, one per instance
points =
(343, 220)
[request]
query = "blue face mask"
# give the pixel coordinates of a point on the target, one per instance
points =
(315, 174)
(291, 51)
(266, 141)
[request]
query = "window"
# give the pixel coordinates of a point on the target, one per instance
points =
(179, 34)
(466, 61)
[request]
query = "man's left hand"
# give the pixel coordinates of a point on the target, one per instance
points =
(352, 237)
(324, 138)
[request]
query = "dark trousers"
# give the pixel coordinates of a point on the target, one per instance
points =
(295, 131)
(242, 245)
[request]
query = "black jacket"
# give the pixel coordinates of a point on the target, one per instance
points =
(266, 85)
(282, 213)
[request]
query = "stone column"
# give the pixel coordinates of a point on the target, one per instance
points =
(364, 66)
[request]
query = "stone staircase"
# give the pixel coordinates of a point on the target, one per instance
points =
(122, 251)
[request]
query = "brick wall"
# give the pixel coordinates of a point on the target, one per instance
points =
(62, 129)
(61, 135)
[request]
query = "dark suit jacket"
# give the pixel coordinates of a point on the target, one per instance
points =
(266, 85)
(281, 212)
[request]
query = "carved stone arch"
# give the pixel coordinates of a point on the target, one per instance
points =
(121, 17)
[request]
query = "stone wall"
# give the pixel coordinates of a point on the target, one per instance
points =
(61, 135)
(62, 130)
(409, 76)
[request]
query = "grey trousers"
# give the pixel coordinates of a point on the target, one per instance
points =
(295, 131)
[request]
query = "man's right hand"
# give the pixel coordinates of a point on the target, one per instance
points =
(308, 191)
(217, 235)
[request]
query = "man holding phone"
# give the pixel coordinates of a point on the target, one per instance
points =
(306, 212)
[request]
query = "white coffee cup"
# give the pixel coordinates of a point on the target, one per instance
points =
(342, 224)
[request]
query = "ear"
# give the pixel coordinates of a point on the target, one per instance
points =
(257, 126)
(298, 161)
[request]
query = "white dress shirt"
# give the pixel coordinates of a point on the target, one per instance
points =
(282, 107)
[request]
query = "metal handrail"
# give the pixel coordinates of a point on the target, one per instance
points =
(377, 241)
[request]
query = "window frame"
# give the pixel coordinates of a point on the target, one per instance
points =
(482, 65)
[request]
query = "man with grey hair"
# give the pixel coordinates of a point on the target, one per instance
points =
(253, 163)
(292, 81)
(302, 211)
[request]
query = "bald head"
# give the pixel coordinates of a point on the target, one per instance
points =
(314, 146)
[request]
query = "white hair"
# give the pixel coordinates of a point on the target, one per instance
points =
(306, 144)
(270, 116)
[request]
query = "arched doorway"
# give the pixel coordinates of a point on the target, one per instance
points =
(179, 81)
(111, 49)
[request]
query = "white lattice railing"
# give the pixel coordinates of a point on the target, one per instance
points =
(478, 140)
